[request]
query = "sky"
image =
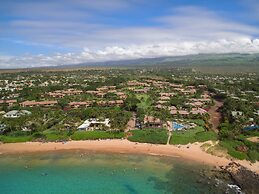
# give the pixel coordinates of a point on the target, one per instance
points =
(56, 32)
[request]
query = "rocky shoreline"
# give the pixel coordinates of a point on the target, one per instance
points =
(245, 179)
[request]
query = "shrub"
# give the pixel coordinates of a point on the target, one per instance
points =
(199, 122)
(38, 135)
(237, 154)
(231, 147)
(18, 133)
(253, 155)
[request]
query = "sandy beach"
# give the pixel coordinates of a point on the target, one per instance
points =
(191, 152)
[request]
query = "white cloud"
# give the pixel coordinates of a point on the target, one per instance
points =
(132, 52)
(186, 30)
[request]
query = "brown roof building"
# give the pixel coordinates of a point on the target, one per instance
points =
(42, 103)
(151, 121)
(9, 102)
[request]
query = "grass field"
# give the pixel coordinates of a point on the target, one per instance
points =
(56, 135)
(92, 135)
(145, 102)
(198, 134)
(14, 139)
(155, 136)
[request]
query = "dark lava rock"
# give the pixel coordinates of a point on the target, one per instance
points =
(247, 180)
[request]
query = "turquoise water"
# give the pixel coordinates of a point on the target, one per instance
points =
(80, 172)
(177, 126)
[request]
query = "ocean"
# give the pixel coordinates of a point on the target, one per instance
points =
(83, 172)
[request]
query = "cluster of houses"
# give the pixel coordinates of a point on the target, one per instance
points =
(84, 104)
(99, 92)
(193, 111)
(38, 103)
(164, 90)
(63, 93)
(102, 91)
(73, 104)
(197, 104)
(19, 82)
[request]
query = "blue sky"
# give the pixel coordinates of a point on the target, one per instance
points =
(55, 32)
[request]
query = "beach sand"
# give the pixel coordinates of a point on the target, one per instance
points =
(190, 152)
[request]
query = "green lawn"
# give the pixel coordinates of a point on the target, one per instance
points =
(198, 134)
(92, 135)
(199, 122)
(155, 136)
(14, 139)
(206, 136)
(49, 135)
(252, 154)
(56, 135)
(145, 102)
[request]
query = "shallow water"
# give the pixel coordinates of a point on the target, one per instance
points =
(81, 172)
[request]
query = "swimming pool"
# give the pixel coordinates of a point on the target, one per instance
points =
(177, 126)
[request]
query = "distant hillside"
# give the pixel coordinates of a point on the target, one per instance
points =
(199, 59)
(232, 62)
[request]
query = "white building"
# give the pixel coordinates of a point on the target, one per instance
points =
(16, 113)
(236, 113)
(91, 124)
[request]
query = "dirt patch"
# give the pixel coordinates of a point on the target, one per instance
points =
(215, 115)
(253, 139)
(131, 124)
(215, 149)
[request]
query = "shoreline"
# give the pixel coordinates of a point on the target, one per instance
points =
(194, 152)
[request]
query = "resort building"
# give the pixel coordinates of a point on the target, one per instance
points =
(164, 98)
(42, 103)
(196, 111)
(110, 103)
(8, 102)
(62, 93)
(136, 83)
(121, 95)
(93, 124)
(106, 88)
(150, 121)
(236, 114)
(166, 94)
(80, 104)
(141, 91)
(16, 113)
